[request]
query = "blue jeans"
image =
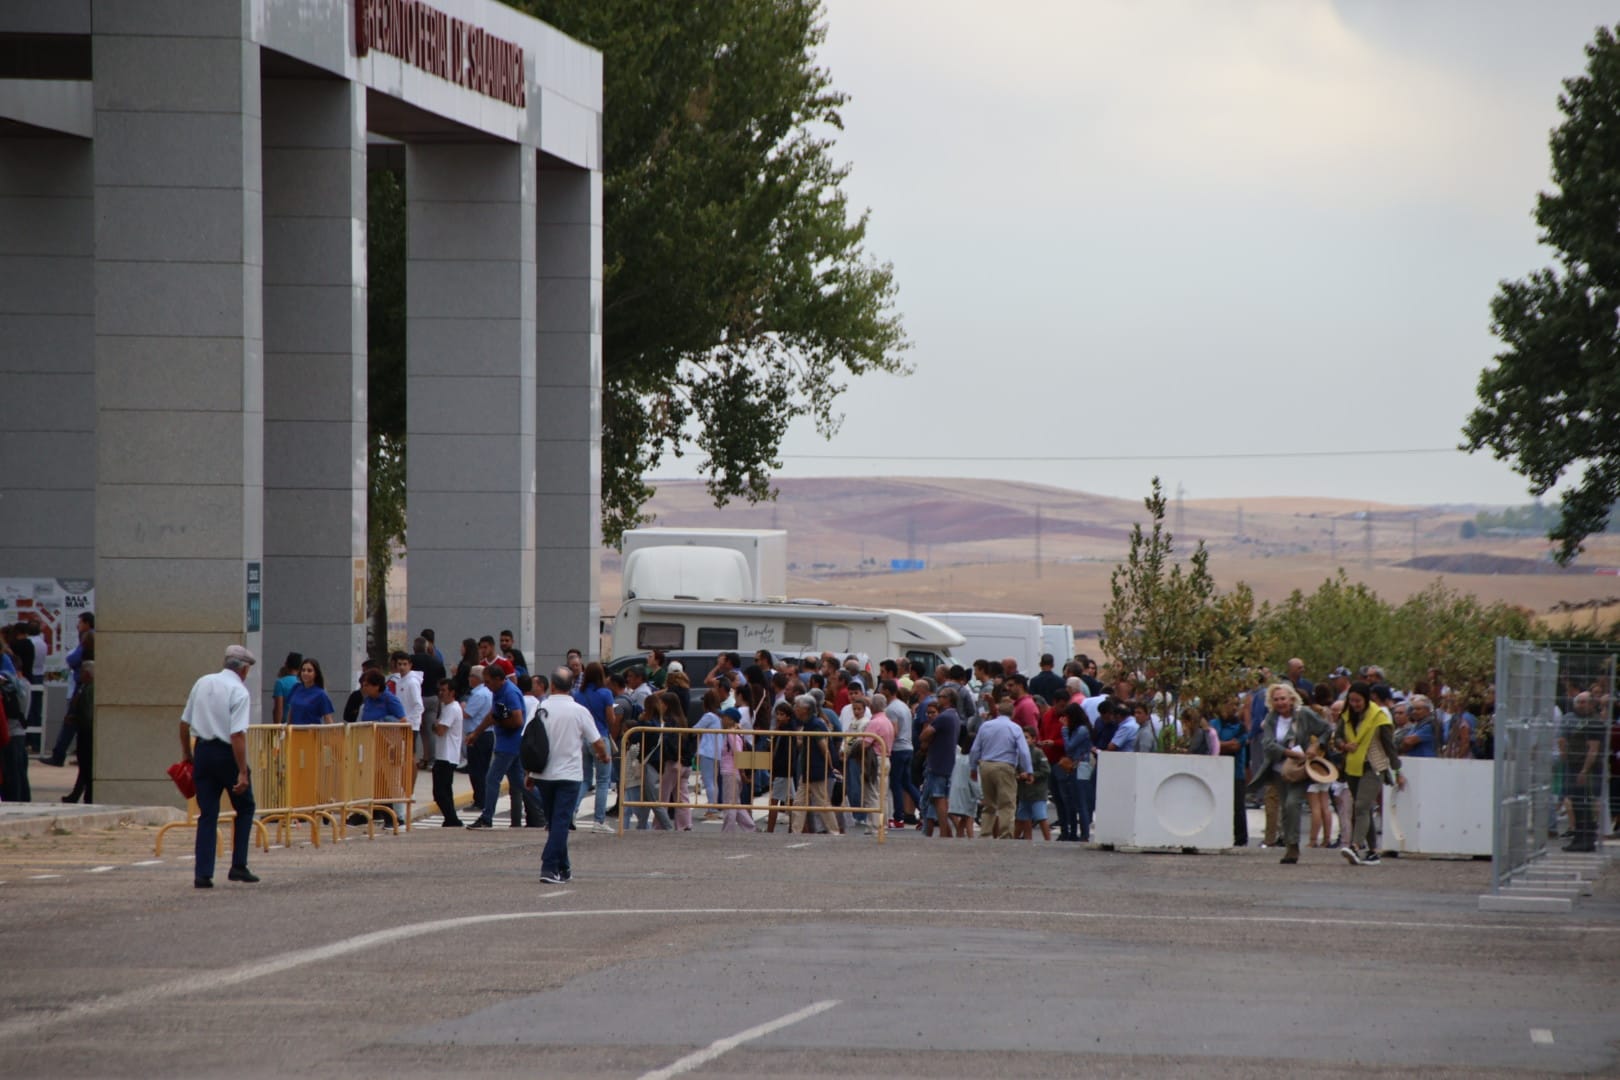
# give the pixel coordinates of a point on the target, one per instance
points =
(508, 767)
(852, 787)
(708, 768)
(1075, 806)
(604, 788)
(649, 791)
(214, 772)
(900, 784)
(558, 799)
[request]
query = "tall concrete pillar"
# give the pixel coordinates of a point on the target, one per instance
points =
(315, 374)
(470, 390)
(179, 370)
(569, 388)
(47, 355)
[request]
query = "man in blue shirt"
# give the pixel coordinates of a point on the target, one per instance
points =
(480, 746)
(1420, 738)
(999, 759)
(377, 705)
(1125, 735)
(506, 720)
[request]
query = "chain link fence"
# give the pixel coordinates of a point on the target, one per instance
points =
(1552, 727)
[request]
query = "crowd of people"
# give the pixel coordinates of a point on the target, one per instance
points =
(990, 751)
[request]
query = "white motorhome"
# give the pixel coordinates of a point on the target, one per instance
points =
(995, 635)
(682, 594)
(785, 627)
(763, 552)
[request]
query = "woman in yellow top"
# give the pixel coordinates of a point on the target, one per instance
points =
(1365, 736)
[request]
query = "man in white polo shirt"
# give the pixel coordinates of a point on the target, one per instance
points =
(569, 729)
(217, 715)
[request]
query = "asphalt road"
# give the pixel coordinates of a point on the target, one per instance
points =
(441, 952)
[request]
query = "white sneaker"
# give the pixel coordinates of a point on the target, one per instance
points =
(603, 827)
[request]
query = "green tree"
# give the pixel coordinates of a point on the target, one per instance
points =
(385, 393)
(1552, 400)
(1342, 622)
(1167, 627)
(738, 294)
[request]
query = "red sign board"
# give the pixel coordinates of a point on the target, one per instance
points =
(439, 44)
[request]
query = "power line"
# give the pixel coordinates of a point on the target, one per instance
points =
(879, 456)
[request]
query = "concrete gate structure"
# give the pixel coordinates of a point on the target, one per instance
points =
(183, 331)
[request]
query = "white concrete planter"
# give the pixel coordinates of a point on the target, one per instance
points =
(1445, 809)
(1164, 801)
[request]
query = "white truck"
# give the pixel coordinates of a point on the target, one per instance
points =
(995, 635)
(680, 594)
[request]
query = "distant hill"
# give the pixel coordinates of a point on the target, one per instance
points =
(1015, 546)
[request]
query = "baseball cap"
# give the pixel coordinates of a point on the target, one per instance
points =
(674, 666)
(733, 713)
(240, 653)
(1341, 672)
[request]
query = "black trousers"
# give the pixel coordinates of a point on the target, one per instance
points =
(478, 755)
(1240, 809)
(83, 784)
(14, 771)
(214, 771)
(444, 778)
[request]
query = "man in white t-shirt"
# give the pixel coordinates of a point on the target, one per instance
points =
(406, 684)
(569, 729)
(447, 752)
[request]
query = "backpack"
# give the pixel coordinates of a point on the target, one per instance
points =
(535, 750)
(16, 698)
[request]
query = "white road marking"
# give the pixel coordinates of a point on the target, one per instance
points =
(44, 877)
(100, 869)
(148, 862)
(745, 855)
(731, 1042)
(203, 982)
(1541, 1036)
(790, 847)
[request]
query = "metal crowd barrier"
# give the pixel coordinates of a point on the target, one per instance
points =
(319, 774)
(757, 760)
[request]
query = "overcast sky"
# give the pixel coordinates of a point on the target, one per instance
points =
(1194, 228)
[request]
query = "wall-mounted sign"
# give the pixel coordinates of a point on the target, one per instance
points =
(255, 596)
(442, 45)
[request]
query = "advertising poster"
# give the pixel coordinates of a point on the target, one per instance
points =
(57, 603)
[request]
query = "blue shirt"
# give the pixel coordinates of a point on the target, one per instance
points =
(307, 705)
(382, 709)
(598, 700)
(1233, 729)
(709, 741)
(1001, 740)
(1125, 736)
(1077, 747)
(477, 707)
(1425, 736)
(507, 742)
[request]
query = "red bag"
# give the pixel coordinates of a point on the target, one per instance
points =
(181, 773)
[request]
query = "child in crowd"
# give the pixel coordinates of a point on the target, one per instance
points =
(731, 744)
(965, 791)
(1032, 796)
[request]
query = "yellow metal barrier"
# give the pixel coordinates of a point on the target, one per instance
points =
(319, 774)
(261, 835)
(811, 798)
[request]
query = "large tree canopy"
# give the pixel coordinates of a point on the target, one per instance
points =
(1551, 403)
(738, 293)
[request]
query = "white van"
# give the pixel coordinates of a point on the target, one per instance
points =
(1059, 641)
(994, 635)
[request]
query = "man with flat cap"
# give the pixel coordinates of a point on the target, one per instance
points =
(216, 716)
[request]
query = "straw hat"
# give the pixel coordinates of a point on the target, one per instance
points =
(1321, 770)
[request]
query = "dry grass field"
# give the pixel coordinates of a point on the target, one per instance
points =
(1023, 547)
